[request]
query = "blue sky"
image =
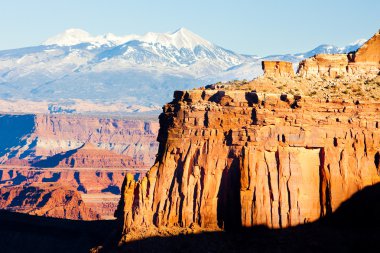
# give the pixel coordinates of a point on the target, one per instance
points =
(250, 27)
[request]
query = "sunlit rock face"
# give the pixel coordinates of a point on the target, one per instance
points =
(237, 158)
(365, 62)
(370, 51)
(278, 68)
(328, 65)
(240, 155)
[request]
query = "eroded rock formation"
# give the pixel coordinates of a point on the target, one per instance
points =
(365, 62)
(328, 65)
(370, 51)
(237, 158)
(46, 199)
(234, 156)
(278, 68)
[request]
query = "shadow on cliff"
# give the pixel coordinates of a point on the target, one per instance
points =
(53, 161)
(354, 227)
(26, 233)
(14, 131)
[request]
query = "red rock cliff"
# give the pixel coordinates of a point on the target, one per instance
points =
(370, 51)
(237, 158)
(278, 68)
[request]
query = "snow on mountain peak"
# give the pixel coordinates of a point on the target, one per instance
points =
(358, 42)
(181, 38)
(187, 39)
(69, 37)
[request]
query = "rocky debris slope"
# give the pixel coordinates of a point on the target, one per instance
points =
(233, 156)
(46, 199)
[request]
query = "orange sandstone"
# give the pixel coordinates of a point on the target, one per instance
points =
(255, 160)
(278, 68)
(232, 157)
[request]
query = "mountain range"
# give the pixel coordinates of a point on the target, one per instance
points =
(77, 72)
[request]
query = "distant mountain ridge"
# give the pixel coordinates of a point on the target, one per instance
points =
(139, 72)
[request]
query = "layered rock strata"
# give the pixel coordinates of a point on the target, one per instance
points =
(278, 68)
(230, 159)
(329, 65)
(88, 154)
(42, 135)
(46, 199)
(99, 189)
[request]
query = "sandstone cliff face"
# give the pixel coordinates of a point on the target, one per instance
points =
(237, 158)
(370, 51)
(278, 68)
(327, 65)
(365, 62)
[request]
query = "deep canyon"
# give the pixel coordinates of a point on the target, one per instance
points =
(71, 166)
(289, 161)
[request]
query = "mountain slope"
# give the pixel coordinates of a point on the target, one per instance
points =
(133, 70)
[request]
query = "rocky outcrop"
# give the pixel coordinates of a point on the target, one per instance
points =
(370, 51)
(365, 62)
(327, 65)
(277, 68)
(46, 199)
(237, 158)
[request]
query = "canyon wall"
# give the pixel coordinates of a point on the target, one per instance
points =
(241, 155)
(229, 159)
(85, 154)
(42, 135)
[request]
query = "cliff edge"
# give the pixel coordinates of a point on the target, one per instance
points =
(240, 155)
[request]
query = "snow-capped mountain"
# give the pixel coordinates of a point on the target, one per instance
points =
(181, 38)
(135, 70)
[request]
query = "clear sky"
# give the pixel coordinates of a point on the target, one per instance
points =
(245, 26)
